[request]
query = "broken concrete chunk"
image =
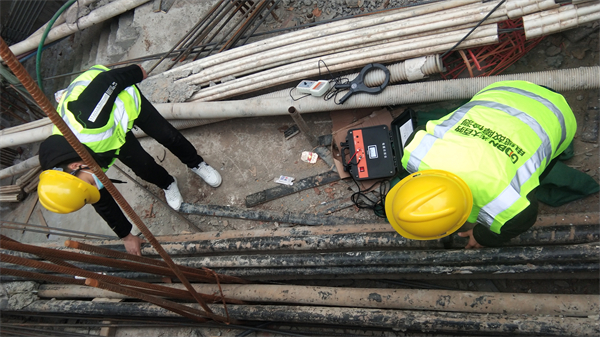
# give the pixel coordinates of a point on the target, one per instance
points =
(21, 300)
(12, 288)
(197, 68)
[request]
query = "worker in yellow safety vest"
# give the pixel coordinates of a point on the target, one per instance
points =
(101, 106)
(478, 167)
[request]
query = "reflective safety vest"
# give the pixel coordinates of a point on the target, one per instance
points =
(124, 112)
(499, 143)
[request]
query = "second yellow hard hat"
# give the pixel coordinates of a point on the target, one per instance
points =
(428, 205)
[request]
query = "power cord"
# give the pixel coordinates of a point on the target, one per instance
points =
(469, 33)
(331, 93)
(360, 198)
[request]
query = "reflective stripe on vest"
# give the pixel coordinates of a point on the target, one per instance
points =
(120, 118)
(544, 153)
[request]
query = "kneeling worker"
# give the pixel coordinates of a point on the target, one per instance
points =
(100, 107)
(481, 164)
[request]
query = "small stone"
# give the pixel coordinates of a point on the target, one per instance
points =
(579, 53)
(580, 97)
(553, 51)
(554, 61)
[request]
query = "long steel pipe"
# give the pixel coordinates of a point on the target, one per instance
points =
(411, 299)
(472, 323)
(506, 255)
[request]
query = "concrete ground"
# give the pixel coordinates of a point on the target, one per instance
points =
(250, 152)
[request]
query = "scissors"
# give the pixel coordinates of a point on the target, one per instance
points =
(357, 85)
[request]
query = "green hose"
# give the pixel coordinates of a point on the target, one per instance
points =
(38, 57)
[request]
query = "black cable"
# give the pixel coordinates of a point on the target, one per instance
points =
(477, 25)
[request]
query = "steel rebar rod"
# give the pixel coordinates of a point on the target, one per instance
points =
(23, 76)
(251, 12)
(174, 293)
(265, 16)
(461, 323)
(146, 260)
(180, 309)
(187, 35)
(6, 243)
(48, 253)
(217, 31)
(41, 277)
(42, 231)
(250, 22)
(85, 234)
(198, 39)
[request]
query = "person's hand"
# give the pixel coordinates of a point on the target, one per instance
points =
(132, 244)
(143, 72)
(472, 242)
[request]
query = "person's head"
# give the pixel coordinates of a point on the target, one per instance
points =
(66, 184)
(428, 205)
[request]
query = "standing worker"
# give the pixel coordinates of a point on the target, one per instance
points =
(100, 107)
(481, 164)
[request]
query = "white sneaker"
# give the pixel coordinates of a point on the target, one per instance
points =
(209, 174)
(173, 196)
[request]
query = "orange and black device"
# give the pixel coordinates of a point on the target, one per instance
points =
(375, 152)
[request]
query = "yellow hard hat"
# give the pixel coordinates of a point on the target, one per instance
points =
(63, 193)
(428, 205)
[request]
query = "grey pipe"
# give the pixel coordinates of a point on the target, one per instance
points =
(582, 78)
(488, 324)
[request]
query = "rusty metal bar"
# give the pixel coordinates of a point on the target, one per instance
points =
(206, 31)
(218, 30)
(14, 114)
(6, 241)
(174, 293)
(252, 11)
(42, 277)
(23, 76)
(169, 305)
(142, 259)
(265, 16)
(187, 36)
(48, 254)
(84, 234)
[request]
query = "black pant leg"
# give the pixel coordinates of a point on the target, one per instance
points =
(157, 127)
(143, 165)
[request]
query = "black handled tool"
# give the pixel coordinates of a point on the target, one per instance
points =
(357, 85)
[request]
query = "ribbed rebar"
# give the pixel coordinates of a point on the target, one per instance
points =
(174, 293)
(23, 76)
(29, 275)
(120, 255)
(6, 242)
(169, 305)
(49, 254)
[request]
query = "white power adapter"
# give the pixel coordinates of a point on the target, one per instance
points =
(315, 88)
